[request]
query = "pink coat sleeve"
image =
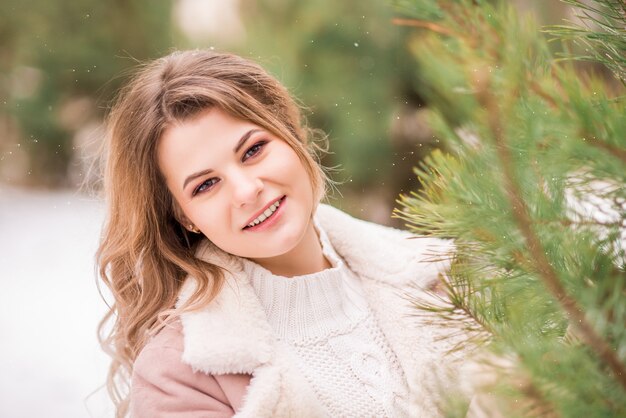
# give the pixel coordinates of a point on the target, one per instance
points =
(162, 386)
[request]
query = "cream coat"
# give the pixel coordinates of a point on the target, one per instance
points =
(231, 337)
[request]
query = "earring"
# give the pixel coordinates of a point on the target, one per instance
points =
(193, 229)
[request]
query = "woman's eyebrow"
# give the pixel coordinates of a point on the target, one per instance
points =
(244, 138)
(195, 176)
(240, 144)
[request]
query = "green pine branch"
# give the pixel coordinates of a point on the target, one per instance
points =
(531, 188)
(600, 32)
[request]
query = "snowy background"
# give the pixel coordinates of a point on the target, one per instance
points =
(50, 364)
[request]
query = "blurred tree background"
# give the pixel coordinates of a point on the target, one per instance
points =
(347, 62)
(58, 66)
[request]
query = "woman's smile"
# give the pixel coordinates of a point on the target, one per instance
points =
(267, 217)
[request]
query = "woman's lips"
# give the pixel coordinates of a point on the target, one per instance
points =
(270, 220)
(262, 211)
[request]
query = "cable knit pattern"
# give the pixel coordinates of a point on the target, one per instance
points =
(325, 323)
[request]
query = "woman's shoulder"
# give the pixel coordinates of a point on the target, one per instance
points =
(387, 253)
(161, 381)
(160, 360)
(167, 344)
(337, 220)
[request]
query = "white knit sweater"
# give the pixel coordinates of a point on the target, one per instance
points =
(325, 323)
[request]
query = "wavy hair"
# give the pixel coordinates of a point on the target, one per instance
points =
(145, 253)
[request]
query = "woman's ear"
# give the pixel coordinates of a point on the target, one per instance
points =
(192, 228)
(184, 220)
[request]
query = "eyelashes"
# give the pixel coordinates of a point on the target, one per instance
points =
(251, 152)
(254, 150)
(205, 185)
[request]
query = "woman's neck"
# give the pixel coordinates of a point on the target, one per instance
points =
(305, 258)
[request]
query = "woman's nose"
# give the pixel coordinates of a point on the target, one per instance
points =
(245, 188)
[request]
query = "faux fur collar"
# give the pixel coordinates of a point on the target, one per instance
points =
(232, 335)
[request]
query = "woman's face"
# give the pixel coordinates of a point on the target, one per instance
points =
(244, 188)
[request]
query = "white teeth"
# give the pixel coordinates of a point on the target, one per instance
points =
(265, 214)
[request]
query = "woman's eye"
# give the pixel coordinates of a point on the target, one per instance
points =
(205, 185)
(254, 150)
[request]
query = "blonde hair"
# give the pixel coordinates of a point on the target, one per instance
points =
(144, 253)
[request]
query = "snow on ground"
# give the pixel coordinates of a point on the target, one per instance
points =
(50, 362)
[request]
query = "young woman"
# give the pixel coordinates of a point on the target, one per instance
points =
(236, 291)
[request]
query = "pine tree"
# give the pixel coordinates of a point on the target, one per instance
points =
(531, 188)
